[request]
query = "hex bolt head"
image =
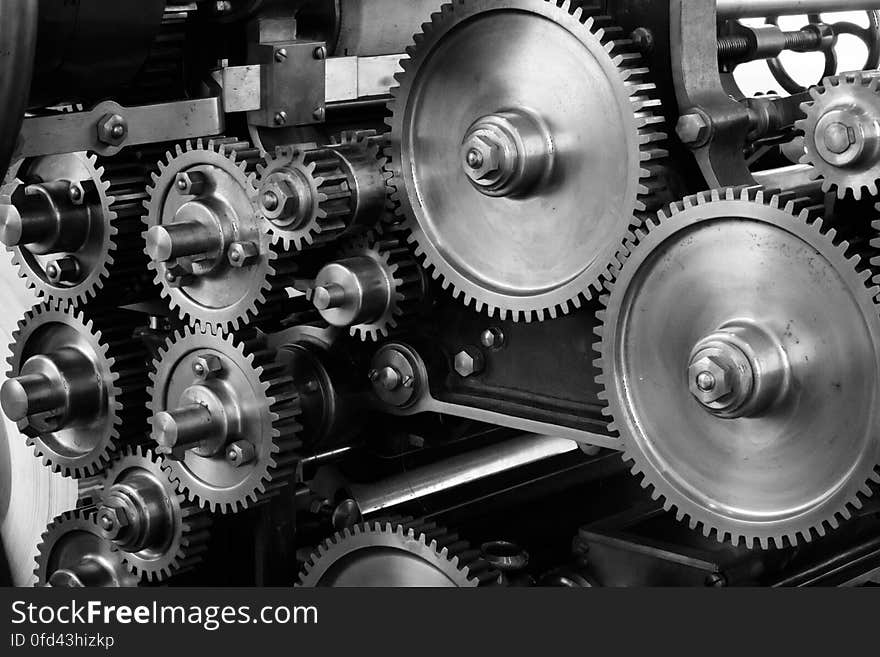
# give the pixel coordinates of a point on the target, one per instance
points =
(243, 254)
(240, 453)
(112, 520)
(694, 129)
(469, 362)
(112, 129)
(207, 366)
(482, 157)
(492, 338)
(280, 118)
(710, 379)
(76, 193)
(280, 55)
(63, 270)
(191, 183)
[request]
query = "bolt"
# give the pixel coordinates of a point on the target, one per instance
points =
(408, 382)
(280, 55)
(240, 453)
(243, 254)
(474, 159)
(492, 338)
(319, 114)
(710, 379)
(279, 197)
(389, 378)
(112, 520)
(326, 297)
(839, 138)
(482, 157)
(469, 362)
(280, 118)
(207, 366)
(643, 38)
(270, 200)
(176, 280)
(112, 129)
(76, 193)
(706, 381)
(694, 129)
(191, 183)
(63, 270)
(715, 580)
(320, 52)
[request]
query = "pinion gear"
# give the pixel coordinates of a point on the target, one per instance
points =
(517, 245)
(721, 393)
(396, 553)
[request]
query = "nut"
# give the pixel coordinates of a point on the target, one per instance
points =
(492, 338)
(76, 193)
(243, 254)
(694, 129)
(240, 453)
(112, 521)
(63, 270)
(719, 386)
(482, 156)
(469, 362)
(207, 366)
(190, 183)
(279, 198)
(112, 129)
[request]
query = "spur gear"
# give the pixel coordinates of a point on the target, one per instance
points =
(226, 413)
(73, 226)
(140, 511)
(76, 385)
(73, 553)
(842, 133)
(374, 285)
(396, 553)
(739, 358)
(309, 196)
(518, 184)
(209, 252)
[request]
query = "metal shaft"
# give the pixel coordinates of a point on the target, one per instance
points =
(762, 8)
(184, 427)
(182, 239)
(29, 395)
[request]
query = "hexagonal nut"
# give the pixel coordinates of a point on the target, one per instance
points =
(824, 31)
(191, 183)
(243, 254)
(112, 521)
(693, 129)
(287, 199)
(240, 453)
(63, 270)
(207, 366)
(722, 374)
(112, 129)
(469, 362)
(489, 156)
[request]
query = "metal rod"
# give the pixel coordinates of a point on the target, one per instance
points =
(762, 8)
(459, 470)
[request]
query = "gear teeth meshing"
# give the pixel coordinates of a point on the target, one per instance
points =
(854, 259)
(191, 523)
(78, 521)
(110, 333)
(427, 540)
(390, 250)
(848, 91)
(119, 273)
(263, 303)
(646, 123)
(276, 393)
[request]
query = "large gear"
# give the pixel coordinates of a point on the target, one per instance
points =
(374, 285)
(226, 412)
(77, 385)
(519, 186)
(739, 358)
(209, 252)
(841, 133)
(309, 196)
(73, 227)
(396, 553)
(72, 553)
(160, 533)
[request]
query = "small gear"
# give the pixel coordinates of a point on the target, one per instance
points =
(73, 227)
(733, 403)
(374, 285)
(396, 553)
(159, 532)
(309, 196)
(72, 553)
(210, 254)
(842, 133)
(77, 385)
(226, 413)
(502, 214)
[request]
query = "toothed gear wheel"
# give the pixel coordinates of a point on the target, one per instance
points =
(403, 282)
(841, 133)
(396, 553)
(739, 357)
(73, 545)
(310, 196)
(100, 407)
(217, 266)
(522, 204)
(250, 394)
(171, 540)
(92, 246)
